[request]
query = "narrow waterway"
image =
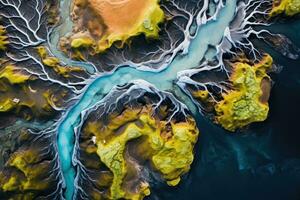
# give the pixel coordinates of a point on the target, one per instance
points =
(209, 34)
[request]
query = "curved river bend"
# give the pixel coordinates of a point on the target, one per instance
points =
(208, 34)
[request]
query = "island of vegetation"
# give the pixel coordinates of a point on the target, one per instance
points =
(287, 7)
(246, 100)
(129, 148)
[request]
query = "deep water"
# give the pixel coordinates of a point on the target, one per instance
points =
(260, 163)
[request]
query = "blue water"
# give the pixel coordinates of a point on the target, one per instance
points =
(208, 34)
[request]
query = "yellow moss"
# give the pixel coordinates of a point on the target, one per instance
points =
(42, 52)
(201, 94)
(54, 63)
(243, 105)
(25, 161)
(3, 39)
(176, 156)
(174, 182)
(13, 74)
(111, 155)
(145, 189)
(11, 184)
(19, 92)
(288, 7)
(50, 99)
(170, 151)
(7, 105)
(51, 62)
(82, 43)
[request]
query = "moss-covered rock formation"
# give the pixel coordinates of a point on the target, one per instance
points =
(124, 149)
(54, 64)
(247, 102)
(99, 23)
(23, 95)
(245, 99)
(29, 169)
(287, 7)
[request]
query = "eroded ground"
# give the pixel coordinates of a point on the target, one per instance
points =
(29, 166)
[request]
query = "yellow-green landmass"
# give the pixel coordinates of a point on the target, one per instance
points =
(24, 161)
(201, 95)
(13, 75)
(28, 171)
(82, 43)
(287, 7)
(54, 63)
(246, 102)
(168, 147)
(19, 92)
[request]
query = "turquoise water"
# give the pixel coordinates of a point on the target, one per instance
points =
(210, 33)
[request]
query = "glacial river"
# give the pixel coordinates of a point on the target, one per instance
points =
(208, 34)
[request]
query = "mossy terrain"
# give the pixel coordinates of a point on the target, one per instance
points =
(3, 39)
(247, 102)
(132, 144)
(99, 23)
(23, 95)
(54, 64)
(287, 7)
(28, 171)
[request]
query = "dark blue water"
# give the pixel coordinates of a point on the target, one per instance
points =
(260, 163)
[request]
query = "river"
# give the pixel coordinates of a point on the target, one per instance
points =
(209, 34)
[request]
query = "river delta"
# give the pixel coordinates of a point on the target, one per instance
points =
(129, 99)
